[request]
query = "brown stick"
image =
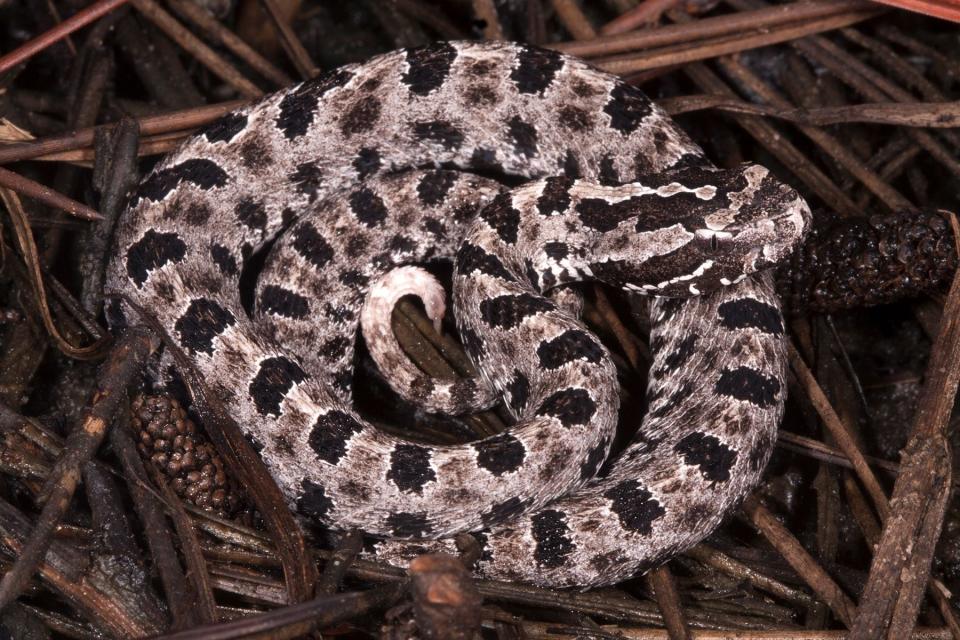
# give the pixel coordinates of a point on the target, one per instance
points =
(801, 561)
(900, 570)
(839, 431)
(157, 532)
(555, 631)
(936, 8)
(205, 606)
(61, 31)
(736, 23)
(205, 20)
(27, 187)
(573, 20)
(349, 545)
(820, 451)
(290, 42)
(665, 591)
(204, 54)
(916, 114)
(647, 12)
(727, 45)
(163, 123)
(296, 620)
(724, 563)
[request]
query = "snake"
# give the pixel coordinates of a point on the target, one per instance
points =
(338, 187)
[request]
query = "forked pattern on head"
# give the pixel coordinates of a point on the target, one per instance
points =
(314, 160)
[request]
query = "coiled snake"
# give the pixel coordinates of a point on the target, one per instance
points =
(357, 167)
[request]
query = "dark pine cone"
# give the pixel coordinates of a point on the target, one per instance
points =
(170, 440)
(860, 262)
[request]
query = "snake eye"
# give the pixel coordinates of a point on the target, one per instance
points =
(713, 241)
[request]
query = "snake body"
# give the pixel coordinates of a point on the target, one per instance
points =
(354, 165)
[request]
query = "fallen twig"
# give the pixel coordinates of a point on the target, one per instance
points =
(296, 620)
(61, 31)
(34, 274)
(350, 544)
(665, 591)
(290, 42)
(68, 572)
(204, 54)
(203, 19)
(801, 561)
(573, 20)
(701, 30)
(149, 509)
(916, 114)
(205, 605)
(27, 187)
(839, 431)
(726, 45)
(645, 13)
(151, 125)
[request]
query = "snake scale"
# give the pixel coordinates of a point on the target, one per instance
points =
(362, 171)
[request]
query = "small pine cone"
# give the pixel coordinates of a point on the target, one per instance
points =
(171, 441)
(861, 262)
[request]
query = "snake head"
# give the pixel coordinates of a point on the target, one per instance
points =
(757, 225)
(716, 227)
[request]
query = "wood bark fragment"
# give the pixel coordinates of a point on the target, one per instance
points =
(350, 544)
(68, 572)
(126, 359)
(446, 603)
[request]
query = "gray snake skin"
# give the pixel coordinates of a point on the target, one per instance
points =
(342, 165)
